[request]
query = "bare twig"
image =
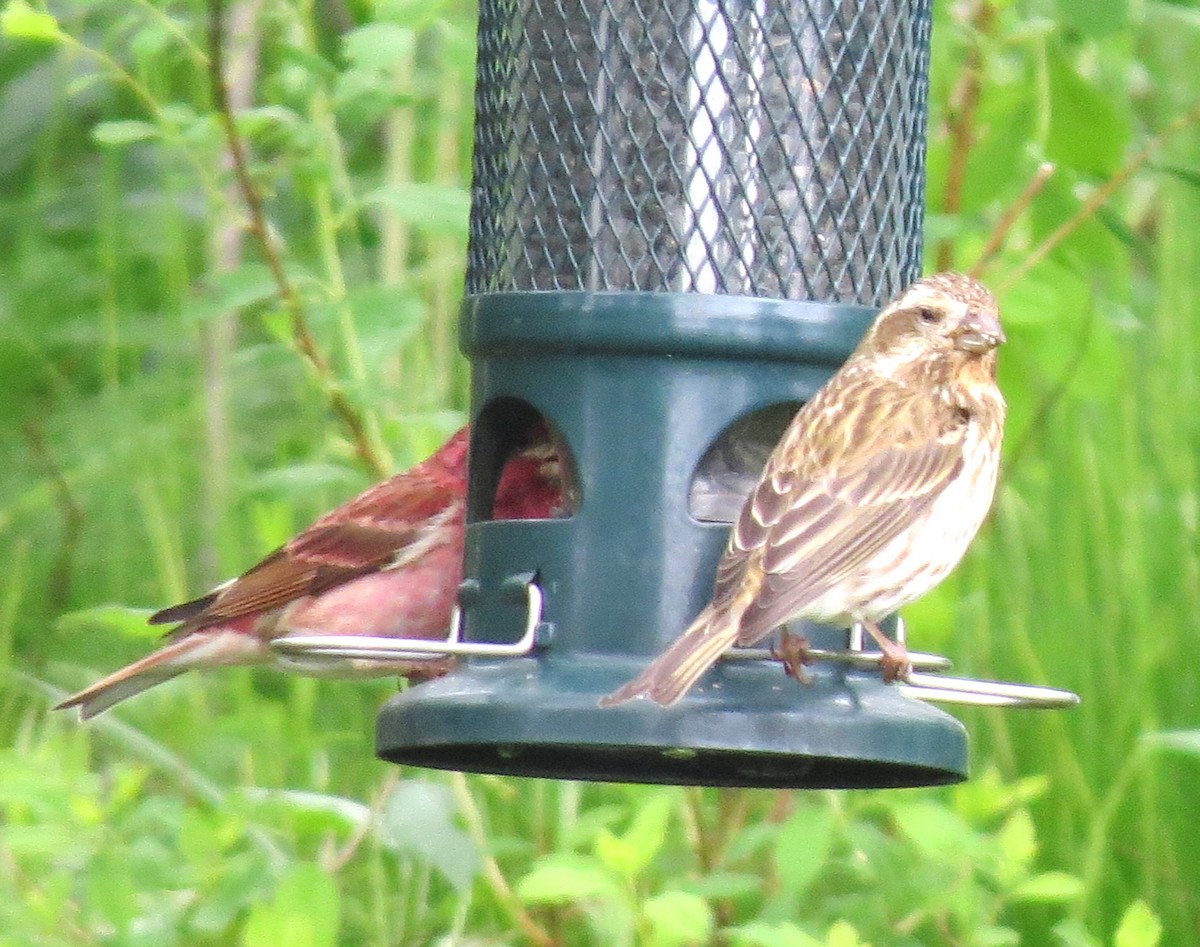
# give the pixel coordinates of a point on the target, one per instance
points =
(1101, 195)
(960, 123)
(1010, 217)
(705, 837)
(335, 859)
(491, 868)
(303, 338)
(735, 811)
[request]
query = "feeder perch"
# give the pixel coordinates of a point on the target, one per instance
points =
(683, 218)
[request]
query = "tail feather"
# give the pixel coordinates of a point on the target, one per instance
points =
(194, 651)
(184, 610)
(674, 671)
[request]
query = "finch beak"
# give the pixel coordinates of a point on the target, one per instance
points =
(980, 333)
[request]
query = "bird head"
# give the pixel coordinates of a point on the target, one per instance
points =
(536, 482)
(947, 313)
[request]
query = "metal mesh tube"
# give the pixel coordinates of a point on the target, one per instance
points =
(754, 147)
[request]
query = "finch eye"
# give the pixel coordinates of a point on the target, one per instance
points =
(929, 315)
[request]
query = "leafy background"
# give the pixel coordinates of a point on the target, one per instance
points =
(162, 427)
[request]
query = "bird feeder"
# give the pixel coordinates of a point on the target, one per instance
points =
(684, 216)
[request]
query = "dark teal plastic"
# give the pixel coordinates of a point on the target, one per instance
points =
(639, 385)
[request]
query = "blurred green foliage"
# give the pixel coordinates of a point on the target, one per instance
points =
(160, 431)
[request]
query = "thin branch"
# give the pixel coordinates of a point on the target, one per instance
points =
(171, 131)
(735, 811)
(334, 860)
(1101, 195)
(1010, 217)
(303, 338)
(960, 123)
(705, 838)
(491, 868)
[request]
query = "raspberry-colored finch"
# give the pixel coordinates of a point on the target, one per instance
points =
(872, 496)
(386, 563)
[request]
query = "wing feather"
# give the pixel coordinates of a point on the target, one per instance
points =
(369, 532)
(830, 499)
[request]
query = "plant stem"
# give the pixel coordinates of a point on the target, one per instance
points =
(491, 868)
(960, 122)
(350, 418)
(1010, 217)
(1101, 195)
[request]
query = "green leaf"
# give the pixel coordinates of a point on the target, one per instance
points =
(993, 935)
(257, 121)
(1188, 175)
(1043, 296)
(231, 889)
(1050, 887)
(936, 830)
(228, 292)
(19, 20)
(436, 208)
(802, 847)
(1003, 130)
(1184, 741)
(110, 620)
(1093, 18)
(629, 854)
(985, 796)
(616, 854)
(111, 892)
(1086, 130)
(117, 134)
(678, 918)
(1139, 927)
(378, 46)
(1071, 933)
(82, 84)
(385, 316)
(566, 878)
(303, 912)
(411, 13)
(726, 885)
(324, 810)
(843, 934)
(1018, 840)
(418, 818)
(762, 934)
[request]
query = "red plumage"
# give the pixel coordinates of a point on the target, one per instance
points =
(386, 563)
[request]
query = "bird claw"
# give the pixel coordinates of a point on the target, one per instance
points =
(793, 652)
(895, 663)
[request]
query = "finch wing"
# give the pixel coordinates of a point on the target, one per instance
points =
(387, 524)
(838, 489)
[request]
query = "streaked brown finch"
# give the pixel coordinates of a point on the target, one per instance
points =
(872, 496)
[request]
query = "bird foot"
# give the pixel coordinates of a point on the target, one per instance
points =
(793, 652)
(895, 663)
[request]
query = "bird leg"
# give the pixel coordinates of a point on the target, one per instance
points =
(793, 652)
(895, 663)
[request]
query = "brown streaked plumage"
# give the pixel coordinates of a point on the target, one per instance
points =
(874, 492)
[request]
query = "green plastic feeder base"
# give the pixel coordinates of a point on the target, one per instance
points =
(641, 387)
(746, 725)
